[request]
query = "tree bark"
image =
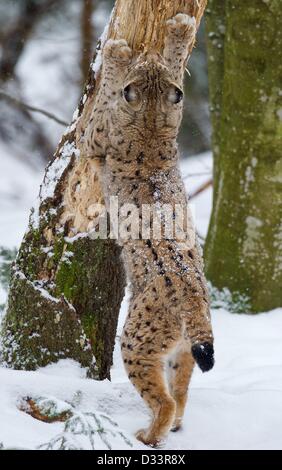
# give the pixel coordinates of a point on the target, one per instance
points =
(216, 26)
(66, 288)
(147, 28)
(243, 251)
(87, 37)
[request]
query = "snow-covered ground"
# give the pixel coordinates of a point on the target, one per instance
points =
(237, 405)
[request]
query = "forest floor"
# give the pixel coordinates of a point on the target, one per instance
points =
(237, 405)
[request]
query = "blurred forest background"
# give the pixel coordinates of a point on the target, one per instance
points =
(45, 50)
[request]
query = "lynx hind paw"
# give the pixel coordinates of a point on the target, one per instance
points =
(177, 425)
(118, 50)
(142, 436)
(182, 25)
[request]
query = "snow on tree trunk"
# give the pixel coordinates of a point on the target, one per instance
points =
(243, 250)
(66, 288)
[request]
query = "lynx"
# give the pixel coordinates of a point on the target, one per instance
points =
(135, 126)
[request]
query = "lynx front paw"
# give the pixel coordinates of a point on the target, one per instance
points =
(118, 51)
(182, 26)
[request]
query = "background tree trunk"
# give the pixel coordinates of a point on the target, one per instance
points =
(13, 41)
(66, 288)
(243, 249)
(216, 26)
(87, 37)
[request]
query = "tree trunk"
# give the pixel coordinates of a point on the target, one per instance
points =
(66, 288)
(14, 40)
(215, 24)
(243, 250)
(147, 20)
(87, 37)
(18, 120)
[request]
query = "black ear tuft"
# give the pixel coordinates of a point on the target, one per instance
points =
(203, 354)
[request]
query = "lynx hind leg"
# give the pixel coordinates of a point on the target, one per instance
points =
(144, 358)
(148, 378)
(181, 34)
(160, 402)
(180, 371)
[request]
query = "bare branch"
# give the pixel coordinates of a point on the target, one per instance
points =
(20, 104)
(87, 37)
(192, 175)
(201, 189)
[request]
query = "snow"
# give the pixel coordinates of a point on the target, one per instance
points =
(196, 171)
(96, 65)
(237, 405)
(61, 381)
(56, 170)
(19, 186)
(253, 235)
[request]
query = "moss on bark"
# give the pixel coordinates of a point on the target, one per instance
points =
(92, 279)
(39, 329)
(215, 28)
(243, 251)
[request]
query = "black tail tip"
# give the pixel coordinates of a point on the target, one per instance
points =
(203, 354)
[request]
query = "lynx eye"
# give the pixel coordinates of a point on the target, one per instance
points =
(175, 95)
(129, 94)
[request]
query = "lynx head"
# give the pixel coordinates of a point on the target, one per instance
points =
(150, 99)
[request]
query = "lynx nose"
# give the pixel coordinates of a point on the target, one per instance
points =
(203, 354)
